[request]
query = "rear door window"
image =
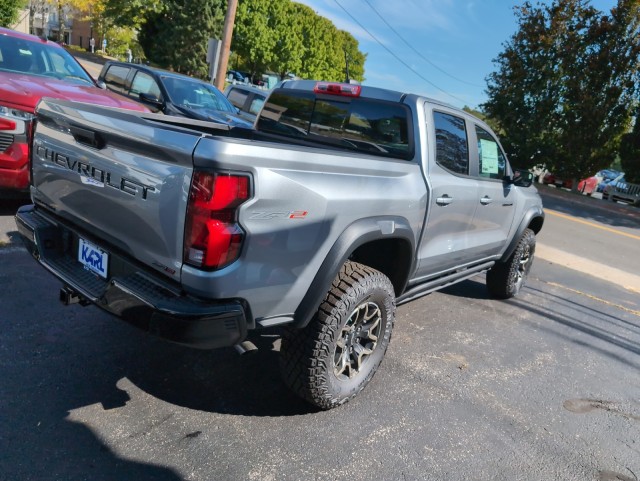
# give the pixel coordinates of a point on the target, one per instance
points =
(370, 126)
(115, 78)
(452, 147)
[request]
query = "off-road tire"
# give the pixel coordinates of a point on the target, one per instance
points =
(316, 363)
(506, 279)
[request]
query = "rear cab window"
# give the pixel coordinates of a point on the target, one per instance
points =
(371, 126)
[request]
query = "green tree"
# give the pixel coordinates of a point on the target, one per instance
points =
(9, 11)
(564, 89)
(176, 36)
(254, 37)
(286, 37)
(318, 35)
(130, 13)
(630, 154)
(288, 48)
(485, 118)
(352, 54)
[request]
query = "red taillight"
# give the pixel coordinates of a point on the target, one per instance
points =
(213, 238)
(345, 90)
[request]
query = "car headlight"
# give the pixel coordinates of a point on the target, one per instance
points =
(15, 113)
(13, 121)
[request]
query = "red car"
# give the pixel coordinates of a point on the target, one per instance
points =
(589, 185)
(32, 68)
(551, 179)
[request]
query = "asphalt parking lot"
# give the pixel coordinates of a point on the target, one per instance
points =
(541, 387)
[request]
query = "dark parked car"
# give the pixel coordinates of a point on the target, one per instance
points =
(607, 177)
(234, 75)
(621, 190)
(170, 93)
(248, 100)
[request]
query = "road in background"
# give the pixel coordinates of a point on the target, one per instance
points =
(92, 64)
(592, 236)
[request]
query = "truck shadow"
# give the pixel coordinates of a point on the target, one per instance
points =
(219, 381)
(475, 288)
(48, 372)
(63, 375)
(63, 369)
(609, 329)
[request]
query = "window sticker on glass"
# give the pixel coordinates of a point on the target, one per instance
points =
(489, 157)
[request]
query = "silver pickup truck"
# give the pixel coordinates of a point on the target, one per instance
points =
(343, 202)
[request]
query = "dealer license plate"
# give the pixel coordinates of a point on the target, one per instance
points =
(93, 258)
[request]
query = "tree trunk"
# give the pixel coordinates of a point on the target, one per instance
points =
(60, 22)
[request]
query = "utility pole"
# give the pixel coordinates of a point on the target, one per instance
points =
(227, 33)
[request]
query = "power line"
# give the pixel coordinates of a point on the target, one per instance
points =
(396, 57)
(415, 50)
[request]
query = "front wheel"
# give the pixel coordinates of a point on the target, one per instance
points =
(332, 359)
(505, 279)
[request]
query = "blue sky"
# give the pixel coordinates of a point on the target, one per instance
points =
(455, 40)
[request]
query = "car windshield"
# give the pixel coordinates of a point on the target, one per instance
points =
(35, 58)
(611, 174)
(196, 95)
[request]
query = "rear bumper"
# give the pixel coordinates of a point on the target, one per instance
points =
(131, 293)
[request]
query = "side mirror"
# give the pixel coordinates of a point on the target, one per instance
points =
(151, 100)
(521, 178)
(101, 84)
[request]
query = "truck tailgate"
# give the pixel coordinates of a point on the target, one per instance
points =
(119, 177)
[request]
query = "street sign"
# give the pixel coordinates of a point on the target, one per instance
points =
(213, 56)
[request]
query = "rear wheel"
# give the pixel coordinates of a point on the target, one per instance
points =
(332, 359)
(505, 279)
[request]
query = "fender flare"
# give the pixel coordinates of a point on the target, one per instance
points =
(355, 235)
(531, 214)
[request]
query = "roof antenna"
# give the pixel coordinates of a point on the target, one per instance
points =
(346, 61)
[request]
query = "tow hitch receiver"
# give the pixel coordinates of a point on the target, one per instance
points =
(69, 296)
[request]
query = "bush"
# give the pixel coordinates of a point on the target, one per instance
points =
(119, 40)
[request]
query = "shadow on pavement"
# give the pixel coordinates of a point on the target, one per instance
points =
(10, 206)
(81, 359)
(620, 333)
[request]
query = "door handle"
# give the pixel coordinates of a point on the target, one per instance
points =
(486, 200)
(444, 200)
